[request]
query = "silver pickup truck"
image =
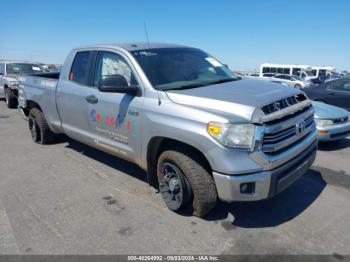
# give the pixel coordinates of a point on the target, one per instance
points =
(9, 72)
(200, 132)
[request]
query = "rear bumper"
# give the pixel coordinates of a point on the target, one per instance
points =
(333, 132)
(266, 183)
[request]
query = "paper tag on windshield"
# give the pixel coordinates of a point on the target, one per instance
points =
(213, 61)
(35, 68)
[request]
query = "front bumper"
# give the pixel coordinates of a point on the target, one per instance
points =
(266, 183)
(333, 132)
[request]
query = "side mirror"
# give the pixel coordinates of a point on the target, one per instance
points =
(116, 84)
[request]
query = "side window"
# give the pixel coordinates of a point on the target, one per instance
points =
(113, 65)
(79, 70)
(282, 77)
(266, 70)
(286, 71)
(296, 71)
(346, 86)
(329, 85)
(2, 69)
(340, 85)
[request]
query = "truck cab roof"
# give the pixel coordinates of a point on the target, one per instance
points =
(134, 46)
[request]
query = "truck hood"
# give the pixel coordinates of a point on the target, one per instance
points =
(12, 77)
(325, 111)
(239, 97)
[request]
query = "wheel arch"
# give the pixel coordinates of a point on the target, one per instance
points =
(31, 104)
(159, 144)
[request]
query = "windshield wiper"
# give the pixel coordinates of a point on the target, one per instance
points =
(220, 81)
(186, 87)
(195, 85)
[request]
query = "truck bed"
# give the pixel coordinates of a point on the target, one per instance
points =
(40, 89)
(55, 75)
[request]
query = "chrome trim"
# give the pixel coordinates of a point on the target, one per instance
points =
(260, 118)
(288, 123)
(269, 162)
(287, 142)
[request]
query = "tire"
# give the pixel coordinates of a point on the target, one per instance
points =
(10, 98)
(197, 185)
(297, 86)
(38, 127)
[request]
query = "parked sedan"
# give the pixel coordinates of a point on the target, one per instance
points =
(335, 92)
(332, 122)
(291, 80)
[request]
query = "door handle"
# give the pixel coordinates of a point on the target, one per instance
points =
(91, 99)
(133, 112)
(331, 94)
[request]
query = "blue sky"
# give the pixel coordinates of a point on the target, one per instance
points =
(242, 34)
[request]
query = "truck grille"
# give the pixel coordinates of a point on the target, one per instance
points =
(281, 136)
(283, 103)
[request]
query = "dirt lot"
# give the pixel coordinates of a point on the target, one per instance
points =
(69, 198)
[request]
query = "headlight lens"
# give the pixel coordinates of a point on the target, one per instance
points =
(233, 135)
(13, 83)
(323, 122)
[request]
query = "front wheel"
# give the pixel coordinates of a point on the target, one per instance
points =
(183, 179)
(298, 86)
(10, 98)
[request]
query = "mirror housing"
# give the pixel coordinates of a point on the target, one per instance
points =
(116, 84)
(132, 90)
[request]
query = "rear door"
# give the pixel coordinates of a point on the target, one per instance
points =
(115, 120)
(73, 97)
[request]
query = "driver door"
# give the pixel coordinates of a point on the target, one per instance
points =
(115, 120)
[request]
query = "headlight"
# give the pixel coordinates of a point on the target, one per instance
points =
(323, 122)
(13, 83)
(233, 135)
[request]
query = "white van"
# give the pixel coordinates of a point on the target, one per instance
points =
(303, 71)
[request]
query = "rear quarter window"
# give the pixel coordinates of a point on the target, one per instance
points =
(80, 68)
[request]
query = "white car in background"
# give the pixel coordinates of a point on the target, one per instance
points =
(291, 80)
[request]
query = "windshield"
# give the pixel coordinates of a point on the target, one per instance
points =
(23, 68)
(308, 73)
(298, 78)
(179, 68)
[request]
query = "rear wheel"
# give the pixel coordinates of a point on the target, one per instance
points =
(183, 179)
(10, 98)
(38, 127)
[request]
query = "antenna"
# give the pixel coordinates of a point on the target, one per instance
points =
(149, 46)
(146, 32)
